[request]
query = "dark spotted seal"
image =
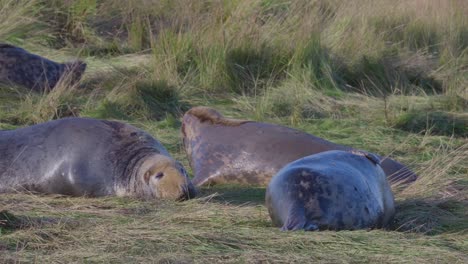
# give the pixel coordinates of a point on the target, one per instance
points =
(89, 157)
(332, 190)
(223, 150)
(19, 67)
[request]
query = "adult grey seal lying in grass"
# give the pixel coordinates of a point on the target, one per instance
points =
(22, 68)
(90, 157)
(223, 150)
(333, 190)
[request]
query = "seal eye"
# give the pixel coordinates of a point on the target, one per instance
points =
(159, 175)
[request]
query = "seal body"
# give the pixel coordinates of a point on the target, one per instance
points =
(90, 157)
(223, 150)
(332, 190)
(22, 68)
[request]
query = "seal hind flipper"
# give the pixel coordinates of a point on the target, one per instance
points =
(297, 220)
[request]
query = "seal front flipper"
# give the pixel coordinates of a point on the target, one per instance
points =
(297, 220)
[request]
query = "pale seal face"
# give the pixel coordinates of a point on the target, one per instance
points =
(22, 68)
(167, 179)
(223, 150)
(332, 190)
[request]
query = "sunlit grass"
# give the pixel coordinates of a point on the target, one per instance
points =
(376, 75)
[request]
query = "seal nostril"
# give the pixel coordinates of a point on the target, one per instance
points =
(159, 175)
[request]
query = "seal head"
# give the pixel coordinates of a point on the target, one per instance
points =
(163, 177)
(73, 71)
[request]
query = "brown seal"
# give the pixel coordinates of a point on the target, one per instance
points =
(22, 68)
(90, 157)
(223, 150)
(331, 190)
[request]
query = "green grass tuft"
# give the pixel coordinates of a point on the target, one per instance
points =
(249, 70)
(436, 123)
(161, 99)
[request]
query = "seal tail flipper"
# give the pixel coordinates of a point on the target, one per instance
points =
(297, 221)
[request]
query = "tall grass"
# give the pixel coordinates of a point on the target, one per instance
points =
(17, 19)
(28, 107)
(339, 43)
(375, 47)
(266, 50)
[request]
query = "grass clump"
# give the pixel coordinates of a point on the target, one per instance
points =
(436, 123)
(28, 107)
(109, 110)
(8, 221)
(67, 22)
(161, 99)
(141, 99)
(249, 70)
(18, 20)
(315, 62)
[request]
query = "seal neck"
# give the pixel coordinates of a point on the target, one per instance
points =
(129, 181)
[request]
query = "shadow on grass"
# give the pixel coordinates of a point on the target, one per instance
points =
(10, 222)
(235, 194)
(430, 217)
(424, 216)
(436, 122)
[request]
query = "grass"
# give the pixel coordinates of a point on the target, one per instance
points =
(386, 76)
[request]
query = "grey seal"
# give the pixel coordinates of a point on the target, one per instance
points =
(89, 157)
(34, 72)
(332, 190)
(224, 150)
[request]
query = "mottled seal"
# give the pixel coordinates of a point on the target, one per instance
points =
(332, 190)
(223, 150)
(32, 71)
(89, 157)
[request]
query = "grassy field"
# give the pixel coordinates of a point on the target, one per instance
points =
(386, 76)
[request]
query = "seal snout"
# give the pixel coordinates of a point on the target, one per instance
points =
(75, 69)
(188, 191)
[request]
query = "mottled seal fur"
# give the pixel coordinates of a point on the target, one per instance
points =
(19, 67)
(332, 190)
(223, 150)
(89, 157)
